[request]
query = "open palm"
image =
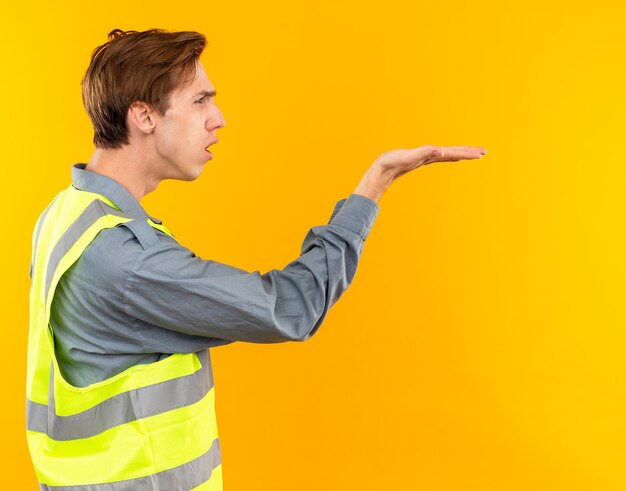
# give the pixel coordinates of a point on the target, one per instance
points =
(400, 161)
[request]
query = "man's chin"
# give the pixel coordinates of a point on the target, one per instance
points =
(187, 174)
(194, 176)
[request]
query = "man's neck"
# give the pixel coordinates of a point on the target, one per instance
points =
(127, 167)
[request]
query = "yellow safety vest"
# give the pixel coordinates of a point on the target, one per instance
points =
(151, 427)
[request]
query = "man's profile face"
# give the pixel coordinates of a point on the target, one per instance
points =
(188, 127)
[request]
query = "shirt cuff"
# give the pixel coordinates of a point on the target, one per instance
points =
(356, 213)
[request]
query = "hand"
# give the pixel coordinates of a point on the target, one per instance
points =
(398, 162)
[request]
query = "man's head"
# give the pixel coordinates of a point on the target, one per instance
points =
(145, 86)
(135, 66)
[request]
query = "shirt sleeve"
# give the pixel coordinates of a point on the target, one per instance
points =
(170, 287)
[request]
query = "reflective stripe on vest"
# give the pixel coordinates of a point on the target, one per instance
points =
(151, 427)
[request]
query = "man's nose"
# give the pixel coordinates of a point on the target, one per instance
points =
(219, 119)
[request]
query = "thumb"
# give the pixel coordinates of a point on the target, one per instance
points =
(436, 153)
(428, 152)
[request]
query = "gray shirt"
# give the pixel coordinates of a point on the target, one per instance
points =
(120, 305)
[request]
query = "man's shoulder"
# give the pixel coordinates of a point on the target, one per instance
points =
(110, 257)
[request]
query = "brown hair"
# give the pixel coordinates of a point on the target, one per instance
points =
(136, 66)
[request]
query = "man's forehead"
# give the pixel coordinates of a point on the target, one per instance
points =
(199, 86)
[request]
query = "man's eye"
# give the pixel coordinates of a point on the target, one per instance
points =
(201, 100)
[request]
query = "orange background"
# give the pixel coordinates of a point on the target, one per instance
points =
(481, 345)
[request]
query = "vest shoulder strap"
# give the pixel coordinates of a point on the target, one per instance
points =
(144, 233)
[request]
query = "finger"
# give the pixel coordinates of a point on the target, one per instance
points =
(482, 150)
(464, 146)
(451, 154)
(432, 153)
(423, 153)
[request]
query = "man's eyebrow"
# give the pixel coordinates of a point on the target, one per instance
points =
(206, 93)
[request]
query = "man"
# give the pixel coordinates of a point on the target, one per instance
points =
(119, 386)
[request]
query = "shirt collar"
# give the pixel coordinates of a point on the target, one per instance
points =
(97, 183)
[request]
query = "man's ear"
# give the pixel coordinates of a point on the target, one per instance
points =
(142, 116)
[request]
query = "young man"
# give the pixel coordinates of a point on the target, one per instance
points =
(119, 386)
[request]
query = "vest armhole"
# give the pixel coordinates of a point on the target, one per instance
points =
(145, 234)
